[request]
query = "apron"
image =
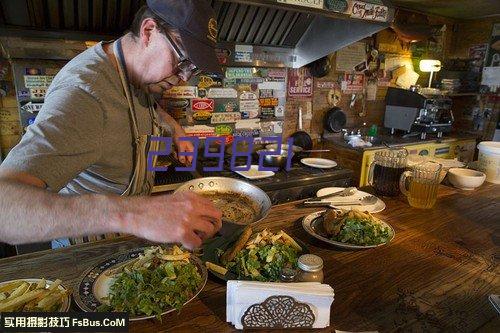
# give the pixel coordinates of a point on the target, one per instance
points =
(142, 180)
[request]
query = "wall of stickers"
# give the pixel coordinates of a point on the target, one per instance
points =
(246, 102)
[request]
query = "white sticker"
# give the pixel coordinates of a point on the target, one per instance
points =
(246, 95)
(222, 93)
(279, 93)
(181, 92)
(225, 117)
(279, 111)
(38, 81)
(243, 48)
(248, 123)
(304, 3)
(250, 108)
(272, 85)
(32, 107)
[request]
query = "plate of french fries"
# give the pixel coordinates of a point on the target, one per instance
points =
(253, 255)
(34, 295)
(145, 282)
(349, 229)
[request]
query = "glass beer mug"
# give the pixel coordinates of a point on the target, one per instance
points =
(421, 184)
(386, 169)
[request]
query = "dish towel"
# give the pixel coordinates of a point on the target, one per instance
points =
(310, 298)
(358, 142)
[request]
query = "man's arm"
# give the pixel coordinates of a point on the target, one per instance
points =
(29, 213)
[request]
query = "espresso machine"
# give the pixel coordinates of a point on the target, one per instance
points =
(411, 111)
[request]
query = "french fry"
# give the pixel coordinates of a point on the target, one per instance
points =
(175, 257)
(291, 241)
(9, 287)
(216, 268)
(42, 284)
(14, 303)
(46, 303)
(55, 285)
(19, 290)
(3, 296)
(242, 241)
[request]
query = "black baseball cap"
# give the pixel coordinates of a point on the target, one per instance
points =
(195, 20)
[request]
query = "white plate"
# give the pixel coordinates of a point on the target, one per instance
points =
(254, 173)
(66, 302)
(313, 226)
(374, 208)
(320, 163)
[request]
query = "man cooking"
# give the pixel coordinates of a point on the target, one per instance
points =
(92, 137)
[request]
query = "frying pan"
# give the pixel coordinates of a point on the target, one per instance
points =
(335, 119)
(302, 138)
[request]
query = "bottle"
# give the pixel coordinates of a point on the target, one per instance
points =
(373, 131)
(310, 268)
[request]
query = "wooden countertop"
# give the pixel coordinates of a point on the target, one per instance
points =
(436, 275)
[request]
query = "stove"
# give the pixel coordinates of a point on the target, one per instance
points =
(300, 182)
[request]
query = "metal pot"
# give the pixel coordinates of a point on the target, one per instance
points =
(278, 161)
(259, 198)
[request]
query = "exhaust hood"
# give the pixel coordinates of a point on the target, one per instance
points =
(280, 33)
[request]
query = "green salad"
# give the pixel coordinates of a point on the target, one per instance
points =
(258, 256)
(363, 232)
(154, 283)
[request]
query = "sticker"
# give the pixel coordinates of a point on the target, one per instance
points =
(38, 81)
(177, 103)
(23, 93)
(353, 83)
(268, 102)
(223, 130)
(239, 72)
(222, 93)
(201, 131)
(279, 111)
(38, 93)
(202, 104)
(248, 96)
(266, 113)
(32, 71)
(225, 117)
(247, 133)
(339, 6)
(300, 82)
(266, 93)
(243, 53)
(279, 93)
(326, 84)
(248, 124)
(222, 55)
(272, 85)
(202, 115)
(276, 73)
(181, 92)
(368, 11)
(32, 107)
(249, 109)
(227, 106)
(304, 3)
(205, 81)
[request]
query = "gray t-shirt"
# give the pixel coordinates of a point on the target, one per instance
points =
(81, 141)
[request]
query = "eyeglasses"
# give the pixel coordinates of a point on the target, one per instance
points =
(185, 65)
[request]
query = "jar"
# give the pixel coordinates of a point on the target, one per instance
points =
(311, 268)
(288, 275)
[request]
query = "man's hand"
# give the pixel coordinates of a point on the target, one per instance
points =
(183, 146)
(185, 218)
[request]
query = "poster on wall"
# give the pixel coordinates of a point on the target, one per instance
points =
(491, 71)
(353, 83)
(300, 82)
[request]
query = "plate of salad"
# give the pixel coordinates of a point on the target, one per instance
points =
(145, 282)
(250, 255)
(348, 229)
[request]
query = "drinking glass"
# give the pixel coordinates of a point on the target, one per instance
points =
(386, 169)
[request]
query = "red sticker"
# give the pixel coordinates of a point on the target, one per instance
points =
(204, 104)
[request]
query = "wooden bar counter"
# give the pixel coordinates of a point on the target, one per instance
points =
(435, 275)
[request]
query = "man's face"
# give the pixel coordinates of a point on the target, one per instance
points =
(160, 70)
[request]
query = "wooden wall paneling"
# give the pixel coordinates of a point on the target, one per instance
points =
(111, 15)
(68, 7)
(53, 14)
(83, 15)
(36, 13)
(124, 15)
(97, 15)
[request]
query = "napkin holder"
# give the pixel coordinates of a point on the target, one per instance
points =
(278, 312)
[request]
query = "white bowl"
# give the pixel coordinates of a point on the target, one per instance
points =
(466, 179)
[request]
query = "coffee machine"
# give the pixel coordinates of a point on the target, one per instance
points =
(414, 112)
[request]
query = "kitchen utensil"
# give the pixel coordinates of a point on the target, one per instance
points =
(258, 198)
(302, 138)
(366, 200)
(423, 180)
(274, 146)
(342, 193)
(313, 225)
(254, 173)
(334, 120)
(315, 151)
(320, 163)
(375, 208)
(278, 161)
(466, 179)
(95, 282)
(386, 169)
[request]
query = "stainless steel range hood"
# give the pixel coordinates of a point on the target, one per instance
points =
(280, 34)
